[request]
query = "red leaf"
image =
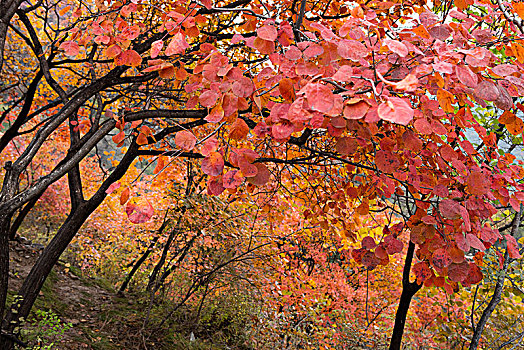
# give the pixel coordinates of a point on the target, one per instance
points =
(128, 58)
(368, 243)
(208, 98)
(70, 47)
(396, 47)
(458, 272)
(156, 47)
(210, 145)
(319, 96)
(113, 187)
(352, 50)
(422, 271)
(313, 50)
(238, 130)
(449, 209)
(487, 90)
(232, 179)
(185, 140)
(466, 76)
(356, 109)
(262, 176)
(243, 87)
(141, 139)
(370, 260)
(386, 162)
(119, 137)
(213, 164)
(409, 83)
(177, 45)
(139, 210)
(346, 145)
(504, 69)
(131, 32)
(343, 74)
(477, 183)
(513, 247)
(160, 164)
(396, 110)
(207, 4)
(441, 258)
(216, 114)
(381, 253)
(267, 32)
(474, 275)
(215, 185)
(283, 130)
(422, 233)
(393, 245)
(102, 39)
(113, 51)
(439, 32)
(461, 241)
(248, 169)
(474, 242)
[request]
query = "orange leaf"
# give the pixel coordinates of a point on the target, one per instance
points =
(239, 130)
(285, 87)
(119, 137)
(446, 100)
(160, 164)
(141, 139)
(64, 10)
(519, 8)
(124, 196)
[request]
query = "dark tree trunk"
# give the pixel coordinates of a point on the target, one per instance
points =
(4, 262)
(50, 255)
(409, 289)
(21, 216)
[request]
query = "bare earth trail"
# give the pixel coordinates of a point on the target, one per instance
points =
(99, 318)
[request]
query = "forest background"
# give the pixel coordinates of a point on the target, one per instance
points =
(260, 175)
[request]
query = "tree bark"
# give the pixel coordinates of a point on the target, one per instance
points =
(4, 261)
(497, 293)
(50, 255)
(409, 289)
(21, 216)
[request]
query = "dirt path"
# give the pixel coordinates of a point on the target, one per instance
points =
(99, 319)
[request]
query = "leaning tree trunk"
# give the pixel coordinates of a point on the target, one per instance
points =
(4, 261)
(409, 289)
(50, 255)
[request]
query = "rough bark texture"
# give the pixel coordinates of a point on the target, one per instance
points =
(409, 289)
(50, 255)
(499, 287)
